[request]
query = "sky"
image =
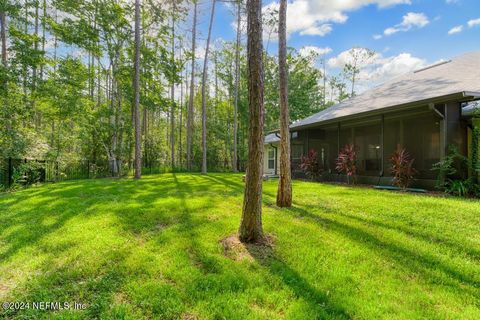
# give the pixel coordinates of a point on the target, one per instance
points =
(405, 34)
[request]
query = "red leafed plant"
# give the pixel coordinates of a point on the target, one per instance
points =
(347, 161)
(310, 166)
(402, 168)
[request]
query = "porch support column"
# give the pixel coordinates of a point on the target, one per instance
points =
(338, 138)
(382, 145)
(443, 132)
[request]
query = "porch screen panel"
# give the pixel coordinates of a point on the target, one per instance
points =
(419, 134)
(366, 138)
(367, 143)
(331, 140)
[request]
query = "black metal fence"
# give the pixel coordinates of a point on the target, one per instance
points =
(26, 171)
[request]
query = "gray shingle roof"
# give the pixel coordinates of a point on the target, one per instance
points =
(461, 74)
(271, 138)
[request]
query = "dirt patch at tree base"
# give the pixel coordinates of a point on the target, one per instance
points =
(236, 250)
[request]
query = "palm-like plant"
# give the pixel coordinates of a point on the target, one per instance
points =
(402, 168)
(347, 161)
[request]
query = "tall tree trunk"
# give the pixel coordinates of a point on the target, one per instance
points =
(3, 36)
(35, 46)
(324, 83)
(251, 229)
(237, 77)
(284, 193)
(136, 87)
(180, 128)
(190, 114)
(204, 93)
(172, 94)
(44, 21)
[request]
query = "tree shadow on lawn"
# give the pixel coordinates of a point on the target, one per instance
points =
(427, 237)
(427, 266)
(58, 283)
(321, 306)
(96, 289)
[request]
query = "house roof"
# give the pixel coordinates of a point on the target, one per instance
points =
(457, 77)
(471, 108)
(271, 138)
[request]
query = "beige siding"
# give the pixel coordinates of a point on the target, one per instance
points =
(266, 169)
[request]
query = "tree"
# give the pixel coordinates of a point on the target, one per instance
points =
(284, 193)
(172, 92)
(359, 57)
(251, 229)
(204, 93)
(3, 35)
(237, 76)
(190, 114)
(136, 88)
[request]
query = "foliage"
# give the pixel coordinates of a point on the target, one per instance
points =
(402, 168)
(475, 147)
(357, 59)
(73, 100)
(310, 165)
(459, 188)
(448, 166)
(151, 249)
(347, 162)
(448, 169)
(27, 173)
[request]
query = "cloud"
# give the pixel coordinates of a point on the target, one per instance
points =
(379, 69)
(473, 22)
(321, 30)
(451, 1)
(314, 17)
(410, 20)
(377, 36)
(312, 50)
(346, 57)
(456, 29)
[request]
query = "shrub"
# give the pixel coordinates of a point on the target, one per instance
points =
(310, 166)
(27, 173)
(347, 162)
(402, 168)
(459, 188)
(447, 166)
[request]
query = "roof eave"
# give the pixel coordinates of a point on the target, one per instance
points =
(460, 96)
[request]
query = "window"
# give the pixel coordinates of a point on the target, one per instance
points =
(297, 151)
(271, 158)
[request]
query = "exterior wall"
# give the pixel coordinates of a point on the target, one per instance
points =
(269, 148)
(422, 132)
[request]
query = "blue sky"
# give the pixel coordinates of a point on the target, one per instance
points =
(413, 33)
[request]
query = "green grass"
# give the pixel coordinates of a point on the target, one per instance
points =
(152, 249)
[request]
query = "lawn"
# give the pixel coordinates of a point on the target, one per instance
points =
(153, 249)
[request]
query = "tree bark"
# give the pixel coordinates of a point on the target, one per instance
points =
(44, 21)
(284, 193)
(237, 77)
(204, 93)
(251, 229)
(3, 36)
(136, 88)
(190, 114)
(172, 94)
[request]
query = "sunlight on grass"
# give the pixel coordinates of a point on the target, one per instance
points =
(152, 249)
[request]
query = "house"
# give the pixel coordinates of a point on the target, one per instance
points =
(424, 111)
